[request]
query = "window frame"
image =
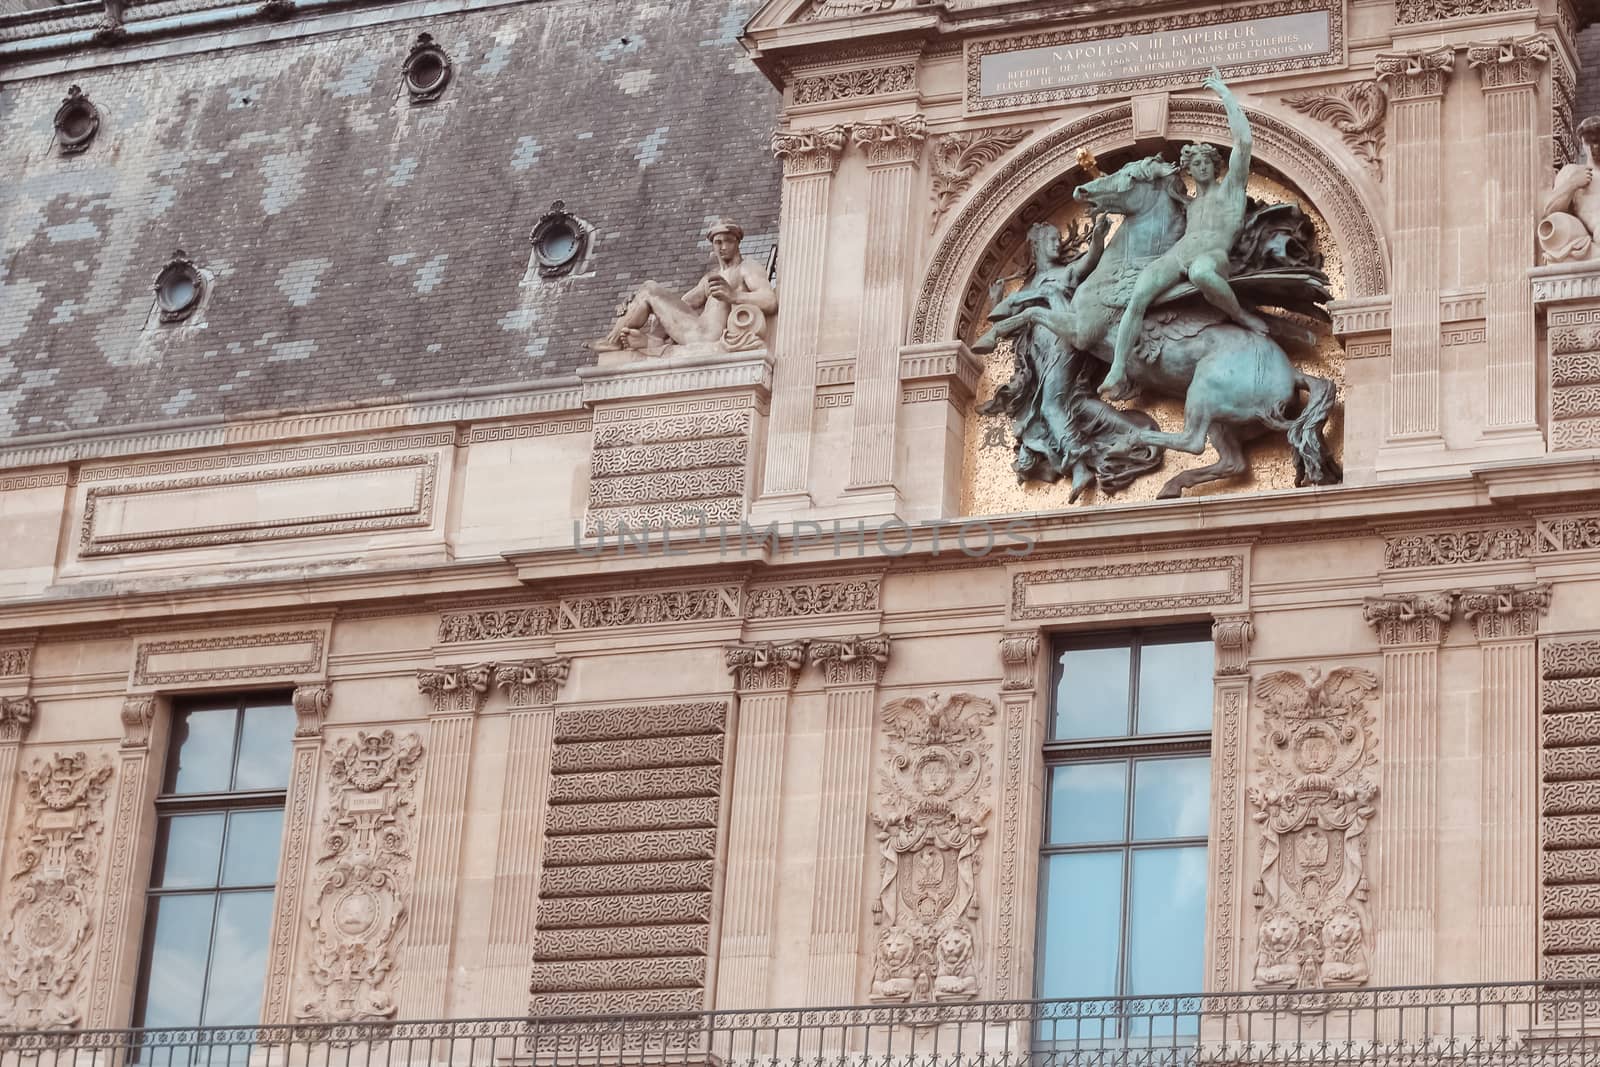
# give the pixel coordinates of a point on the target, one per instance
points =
(1126, 749)
(168, 804)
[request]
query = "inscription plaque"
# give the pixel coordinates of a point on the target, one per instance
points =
(1148, 54)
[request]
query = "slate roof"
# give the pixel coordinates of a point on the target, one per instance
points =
(362, 247)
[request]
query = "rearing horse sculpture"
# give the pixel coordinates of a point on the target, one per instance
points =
(1234, 383)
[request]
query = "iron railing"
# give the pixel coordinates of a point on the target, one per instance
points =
(1543, 1024)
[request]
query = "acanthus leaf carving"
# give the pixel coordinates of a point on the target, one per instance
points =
(1439, 548)
(1505, 610)
(851, 660)
(51, 917)
(1510, 62)
(930, 814)
(1313, 797)
(889, 141)
(1357, 111)
(765, 665)
(846, 84)
(1410, 12)
(358, 905)
(456, 690)
(958, 157)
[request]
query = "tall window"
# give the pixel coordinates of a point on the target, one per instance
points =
(219, 822)
(1123, 870)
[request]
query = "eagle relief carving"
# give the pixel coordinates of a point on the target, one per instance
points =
(1313, 798)
(358, 906)
(46, 941)
(930, 814)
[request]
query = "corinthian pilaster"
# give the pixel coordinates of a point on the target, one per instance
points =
(764, 675)
(116, 943)
(1416, 82)
(457, 694)
(16, 716)
(1021, 811)
(1230, 639)
(893, 148)
(531, 688)
(852, 668)
(1505, 620)
(311, 703)
(1410, 629)
(809, 159)
(1510, 70)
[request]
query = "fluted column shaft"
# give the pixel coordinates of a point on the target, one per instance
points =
(809, 159)
(1409, 787)
(299, 811)
(1510, 810)
(116, 943)
(518, 859)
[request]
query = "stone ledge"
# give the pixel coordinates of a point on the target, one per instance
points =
(1556, 283)
(680, 373)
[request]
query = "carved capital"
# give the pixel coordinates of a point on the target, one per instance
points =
(1411, 618)
(1231, 636)
(806, 152)
(1510, 62)
(137, 715)
(1415, 75)
(310, 708)
(766, 666)
(16, 715)
(851, 660)
(957, 158)
(1018, 653)
(533, 682)
(1357, 111)
(1506, 611)
(456, 690)
(893, 141)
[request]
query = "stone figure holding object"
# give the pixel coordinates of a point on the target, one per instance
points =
(1214, 219)
(728, 308)
(1570, 219)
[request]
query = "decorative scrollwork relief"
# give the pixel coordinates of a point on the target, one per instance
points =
(51, 917)
(1313, 797)
(958, 157)
(847, 84)
(1440, 548)
(363, 877)
(931, 808)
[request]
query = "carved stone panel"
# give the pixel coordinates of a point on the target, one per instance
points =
(358, 903)
(624, 920)
(931, 813)
(1313, 795)
(1574, 397)
(1569, 861)
(50, 918)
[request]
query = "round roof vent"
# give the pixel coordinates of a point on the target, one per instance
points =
(427, 70)
(559, 240)
(76, 122)
(179, 288)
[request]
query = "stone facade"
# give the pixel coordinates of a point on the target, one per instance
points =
(698, 681)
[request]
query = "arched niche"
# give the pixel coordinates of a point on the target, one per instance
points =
(994, 221)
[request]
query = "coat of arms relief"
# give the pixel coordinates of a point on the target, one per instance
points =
(930, 815)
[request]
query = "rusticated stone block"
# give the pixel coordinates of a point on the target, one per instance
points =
(621, 1002)
(1570, 728)
(1566, 937)
(1569, 659)
(580, 944)
(1571, 798)
(1570, 901)
(1571, 866)
(624, 911)
(617, 815)
(1560, 968)
(640, 752)
(632, 847)
(613, 879)
(1579, 763)
(652, 720)
(1570, 694)
(1572, 831)
(624, 785)
(559, 976)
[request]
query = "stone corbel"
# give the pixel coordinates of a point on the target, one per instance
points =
(1018, 653)
(1415, 75)
(766, 666)
(456, 690)
(851, 660)
(804, 152)
(1410, 618)
(1510, 62)
(138, 713)
(1231, 636)
(532, 683)
(310, 708)
(1506, 611)
(892, 141)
